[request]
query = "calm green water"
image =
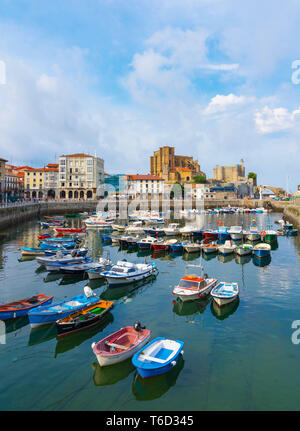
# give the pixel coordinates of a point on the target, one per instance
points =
(242, 359)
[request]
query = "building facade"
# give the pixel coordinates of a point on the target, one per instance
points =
(230, 174)
(143, 186)
(12, 190)
(2, 179)
(167, 165)
(41, 183)
(81, 176)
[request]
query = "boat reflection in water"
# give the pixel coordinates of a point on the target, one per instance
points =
(191, 256)
(242, 260)
(128, 290)
(225, 258)
(42, 333)
(209, 256)
(72, 279)
(262, 261)
(274, 244)
(104, 376)
(144, 253)
(155, 387)
(71, 341)
(191, 309)
(52, 276)
(12, 325)
(26, 258)
(222, 313)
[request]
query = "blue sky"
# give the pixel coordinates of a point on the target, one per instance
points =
(210, 77)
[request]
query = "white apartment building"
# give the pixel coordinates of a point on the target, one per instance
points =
(196, 191)
(143, 186)
(81, 176)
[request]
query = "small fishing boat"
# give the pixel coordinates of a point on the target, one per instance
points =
(81, 268)
(67, 230)
(192, 247)
(164, 245)
(157, 357)
(210, 248)
(224, 293)
(127, 272)
(46, 235)
(262, 250)
(192, 287)
(115, 239)
(20, 308)
(31, 251)
(146, 243)
(155, 232)
(177, 247)
(83, 319)
(210, 234)
(243, 249)
(236, 233)
(119, 227)
(223, 233)
(50, 313)
(172, 229)
(253, 234)
(60, 259)
(121, 345)
(227, 248)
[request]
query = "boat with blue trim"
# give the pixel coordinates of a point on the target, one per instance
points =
(60, 309)
(157, 357)
(224, 293)
(127, 272)
(20, 308)
(262, 250)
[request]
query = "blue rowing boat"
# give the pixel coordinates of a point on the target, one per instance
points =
(59, 310)
(157, 357)
(20, 308)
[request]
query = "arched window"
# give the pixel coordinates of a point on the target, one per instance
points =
(51, 193)
(62, 194)
(40, 195)
(89, 194)
(33, 194)
(70, 194)
(76, 194)
(81, 194)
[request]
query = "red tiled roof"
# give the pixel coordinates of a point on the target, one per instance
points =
(76, 155)
(143, 178)
(185, 169)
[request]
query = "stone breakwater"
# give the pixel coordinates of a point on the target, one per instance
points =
(290, 211)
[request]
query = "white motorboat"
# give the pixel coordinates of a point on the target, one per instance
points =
(146, 243)
(253, 234)
(243, 249)
(127, 272)
(227, 248)
(224, 293)
(192, 247)
(172, 229)
(236, 233)
(192, 287)
(59, 258)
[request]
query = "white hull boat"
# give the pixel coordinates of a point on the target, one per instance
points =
(227, 248)
(126, 272)
(244, 249)
(224, 293)
(192, 287)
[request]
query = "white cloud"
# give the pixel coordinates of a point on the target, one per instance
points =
(221, 103)
(270, 120)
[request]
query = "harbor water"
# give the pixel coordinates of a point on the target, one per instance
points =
(240, 357)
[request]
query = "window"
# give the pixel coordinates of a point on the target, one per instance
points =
(89, 161)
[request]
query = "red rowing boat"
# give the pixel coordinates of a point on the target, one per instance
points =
(68, 230)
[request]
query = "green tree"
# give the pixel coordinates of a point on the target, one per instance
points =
(199, 179)
(252, 175)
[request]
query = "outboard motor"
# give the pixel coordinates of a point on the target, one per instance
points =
(138, 326)
(89, 292)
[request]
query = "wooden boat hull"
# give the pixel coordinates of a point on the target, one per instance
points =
(105, 356)
(68, 230)
(76, 322)
(7, 311)
(210, 250)
(261, 253)
(223, 297)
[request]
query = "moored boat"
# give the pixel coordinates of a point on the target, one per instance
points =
(20, 308)
(224, 293)
(127, 272)
(192, 247)
(50, 313)
(243, 249)
(227, 248)
(83, 319)
(67, 230)
(236, 233)
(121, 345)
(262, 250)
(192, 287)
(209, 248)
(157, 357)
